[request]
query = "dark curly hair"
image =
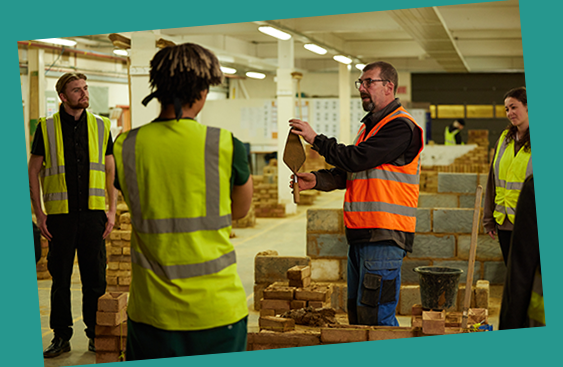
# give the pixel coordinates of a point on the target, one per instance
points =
(519, 94)
(180, 73)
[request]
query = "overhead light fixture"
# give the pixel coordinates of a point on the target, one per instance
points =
(343, 59)
(58, 41)
(271, 31)
(314, 48)
(121, 52)
(255, 75)
(228, 70)
(360, 67)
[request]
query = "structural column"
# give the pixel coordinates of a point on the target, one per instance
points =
(286, 110)
(143, 49)
(36, 67)
(344, 92)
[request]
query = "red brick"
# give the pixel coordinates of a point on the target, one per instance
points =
(416, 310)
(416, 321)
(276, 323)
(299, 272)
(433, 322)
(119, 330)
(267, 312)
(297, 304)
(391, 333)
(453, 319)
(270, 346)
(295, 338)
(107, 357)
(276, 304)
(301, 283)
(111, 318)
(110, 343)
(279, 292)
(341, 335)
(477, 315)
(312, 294)
(112, 302)
(318, 304)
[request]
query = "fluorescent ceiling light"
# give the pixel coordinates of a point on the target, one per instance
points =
(314, 48)
(360, 66)
(227, 70)
(58, 41)
(343, 59)
(252, 74)
(121, 52)
(270, 31)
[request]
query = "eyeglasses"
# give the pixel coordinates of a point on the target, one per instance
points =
(367, 82)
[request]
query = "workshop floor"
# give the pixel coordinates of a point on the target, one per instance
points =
(284, 235)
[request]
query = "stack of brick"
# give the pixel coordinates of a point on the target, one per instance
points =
(265, 197)
(479, 137)
(111, 328)
(437, 322)
(118, 273)
(41, 266)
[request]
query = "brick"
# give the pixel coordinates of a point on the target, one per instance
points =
(259, 294)
(126, 250)
(416, 321)
(125, 226)
(461, 298)
(453, 319)
(315, 293)
(124, 280)
(318, 304)
(431, 200)
(275, 304)
(112, 302)
(107, 357)
(296, 338)
(342, 335)
(324, 220)
(416, 309)
(276, 323)
(482, 291)
(410, 295)
(267, 312)
(115, 235)
(381, 333)
(110, 343)
(327, 245)
(431, 246)
(111, 318)
(433, 322)
(273, 292)
(126, 235)
(269, 269)
(477, 315)
(408, 275)
(125, 218)
(119, 258)
(452, 220)
(487, 248)
(457, 182)
(119, 330)
(302, 283)
(298, 272)
(325, 270)
(113, 266)
(297, 304)
(111, 280)
(270, 346)
(124, 266)
(495, 272)
(423, 222)
(113, 250)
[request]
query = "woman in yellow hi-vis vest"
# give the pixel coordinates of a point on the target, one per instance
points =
(511, 165)
(184, 182)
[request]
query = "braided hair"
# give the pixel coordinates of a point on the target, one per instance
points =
(180, 73)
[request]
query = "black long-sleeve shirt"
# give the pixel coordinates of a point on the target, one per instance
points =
(395, 143)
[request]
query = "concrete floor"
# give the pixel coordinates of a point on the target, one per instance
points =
(284, 235)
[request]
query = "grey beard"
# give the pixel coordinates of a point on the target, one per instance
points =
(369, 106)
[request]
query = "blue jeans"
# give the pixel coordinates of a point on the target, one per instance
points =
(374, 282)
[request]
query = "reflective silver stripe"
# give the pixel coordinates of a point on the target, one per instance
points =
(375, 206)
(55, 196)
(500, 153)
(97, 167)
(50, 123)
(529, 169)
(514, 185)
(97, 192)
(212, 220)
(505, 209)
(389, 176)
(101, 128)
(52, 171)
(187, 270)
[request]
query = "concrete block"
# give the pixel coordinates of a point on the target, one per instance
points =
(487, 248)
(483, 177)
(482, 292)
(432, 200)
(452, 220)
(269, 269)
(463, 265)
(341, 335)
(457, 182)
(325, 220)
(112, 302)
(276, 323)
(299, 272)
(461, 298)
(327, 245)
(433, 322)
(468, 201)
(495, 272)
(408, 275)
(325, 270)
(410, 295)
(431, 246)
(382, 333)
(423, 221)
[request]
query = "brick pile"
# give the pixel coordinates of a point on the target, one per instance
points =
(118, 249)
(265, 197)
(479, 137)
(41, 266)
(111, 328)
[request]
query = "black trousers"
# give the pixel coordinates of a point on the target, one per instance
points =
(504, 241)
(79, 233)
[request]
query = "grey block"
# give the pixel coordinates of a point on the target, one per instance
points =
(269, 269)
(463, 265)
(325, 220)
(468, 201)
(429, 200)
(495, 272)
(487, 248)
(483, 177)
(408, 275)
(457, 182)
(423, 222)
(453, 220)
(410, 295)
(430, 246)
(327, 245)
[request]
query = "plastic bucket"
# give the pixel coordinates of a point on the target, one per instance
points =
(438, 286)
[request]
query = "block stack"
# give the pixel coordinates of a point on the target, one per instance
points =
(111, 328)
(41, 266)
(118, 274)
(479, 137)
(265, 198)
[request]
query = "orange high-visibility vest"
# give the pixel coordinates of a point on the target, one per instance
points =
(385, 196)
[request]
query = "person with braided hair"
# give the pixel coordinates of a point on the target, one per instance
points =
(184, 183)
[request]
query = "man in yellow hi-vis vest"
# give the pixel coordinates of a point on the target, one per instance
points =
(452, 134)
(71, 160)
(184, 182)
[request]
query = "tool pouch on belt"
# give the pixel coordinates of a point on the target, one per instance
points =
(373, 287)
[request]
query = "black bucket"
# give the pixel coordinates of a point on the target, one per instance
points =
(438, 286)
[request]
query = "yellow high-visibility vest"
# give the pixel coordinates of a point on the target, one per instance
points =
(53, 179)
(510, 173)
(175, 177)
(449, 137)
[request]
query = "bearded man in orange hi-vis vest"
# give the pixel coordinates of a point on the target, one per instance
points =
(380, 172)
